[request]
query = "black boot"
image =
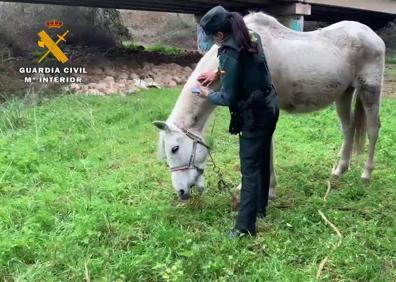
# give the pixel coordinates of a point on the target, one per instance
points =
(236, 233)
(260, 215)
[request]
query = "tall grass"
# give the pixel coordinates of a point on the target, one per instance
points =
(82, 197)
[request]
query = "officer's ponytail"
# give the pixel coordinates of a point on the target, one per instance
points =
(241, 33)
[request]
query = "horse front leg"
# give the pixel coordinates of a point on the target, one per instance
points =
(343, 106)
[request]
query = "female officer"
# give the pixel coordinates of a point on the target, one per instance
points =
(246, 88)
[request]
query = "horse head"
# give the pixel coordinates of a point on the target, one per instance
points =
(186, 154)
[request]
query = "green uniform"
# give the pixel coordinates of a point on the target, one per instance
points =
(246, 88)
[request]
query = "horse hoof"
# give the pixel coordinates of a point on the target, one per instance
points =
(336, 176)
(339, 172)
(272, 194)
(366, 180)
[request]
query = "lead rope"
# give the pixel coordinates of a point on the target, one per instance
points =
(222, 184)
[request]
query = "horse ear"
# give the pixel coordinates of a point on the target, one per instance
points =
(161, 125)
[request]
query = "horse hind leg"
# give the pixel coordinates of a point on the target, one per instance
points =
(369, 93)
(343, 106)
(273, 179)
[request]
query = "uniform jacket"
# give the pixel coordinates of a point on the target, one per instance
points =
(240, 74)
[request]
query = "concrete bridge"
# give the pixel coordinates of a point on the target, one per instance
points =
(292, 13)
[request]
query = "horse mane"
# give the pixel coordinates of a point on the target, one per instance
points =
(262, 19)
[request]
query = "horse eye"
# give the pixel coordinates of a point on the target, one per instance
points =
(175, 149)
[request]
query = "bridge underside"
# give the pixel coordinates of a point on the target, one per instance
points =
(318, 11)
(333, 14)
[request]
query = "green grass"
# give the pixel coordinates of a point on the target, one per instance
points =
(391, 57)
(81, 192)
(157, 48)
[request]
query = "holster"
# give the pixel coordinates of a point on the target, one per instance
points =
(252, 105)
(236, 121)
(243, 114)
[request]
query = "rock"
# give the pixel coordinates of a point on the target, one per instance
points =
(120, 85)
(123, 75)
(92, 79)
(172, 83)
(123, 80)
(111, 90)
(151, 75)
(147, 66)
(168, 78)
(131, 90)
(110, 72)
(178, 80)
(97, 71)
(109, 79)
(134, 76)
(92, 85)
(140, 83)
(84, 88)
(187, 69)
(101, 87)
(75, 87)
(174, 66)
(94, 92)
(149, 80)
(153, 85)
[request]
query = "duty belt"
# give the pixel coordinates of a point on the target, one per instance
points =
(264, 91)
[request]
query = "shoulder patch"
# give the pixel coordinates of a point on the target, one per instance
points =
(253, 36)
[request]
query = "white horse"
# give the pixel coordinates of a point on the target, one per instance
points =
(310, 71)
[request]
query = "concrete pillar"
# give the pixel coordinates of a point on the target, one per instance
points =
(294, 22)
(291, 15)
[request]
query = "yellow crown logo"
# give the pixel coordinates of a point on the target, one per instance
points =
(54, 24)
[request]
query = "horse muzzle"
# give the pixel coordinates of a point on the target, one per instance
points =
(183, 195)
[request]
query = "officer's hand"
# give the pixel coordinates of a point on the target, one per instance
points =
(204, 92)
(208, 78)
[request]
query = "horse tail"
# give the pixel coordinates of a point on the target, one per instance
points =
(359, 125)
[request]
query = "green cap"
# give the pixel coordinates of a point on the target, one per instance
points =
(216, 19)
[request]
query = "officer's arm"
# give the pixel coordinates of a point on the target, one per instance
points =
(229, 83)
